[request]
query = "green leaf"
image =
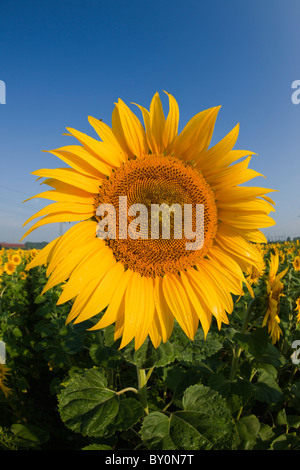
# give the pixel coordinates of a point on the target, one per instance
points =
(17, 332)
(87, 406)
(214, 417)
(204, 423)
(248, 429)
(29, 435)
(105, 356)
(155, 432)
(147, 356)
(237, 393)
(129, 413)
(266, 389)
(194, 352)
(187, 429)
(285, 442)
(255, 342)
(97, 447)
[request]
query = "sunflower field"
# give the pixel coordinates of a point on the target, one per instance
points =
(66, 387)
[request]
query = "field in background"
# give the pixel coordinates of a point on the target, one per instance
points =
(63, 387)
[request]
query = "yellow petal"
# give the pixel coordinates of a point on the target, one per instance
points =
(82, 160)
(178, 302)
(58, 217)
(66, 188)
(64, 269)
(106, 134)
(196, 135)
(203, 314)
(233, 175)
(111, 314)
(155, 332)
(135, 306)
(249, 220)
(66, 207)
(238, 246)
(157, 124)
(70, 176)
(94, 265)
(239, 193)
(75, 236)
(59, 196)
(118, 132)
(207, 292)
(146, 118)
(101, 150)
(171, 126)
(144, 328)
(102, 295)
(164, 313)
(43, 256)
(133, 130)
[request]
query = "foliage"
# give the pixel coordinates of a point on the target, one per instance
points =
(75, 389)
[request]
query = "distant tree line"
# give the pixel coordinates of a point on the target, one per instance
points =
(36, 245)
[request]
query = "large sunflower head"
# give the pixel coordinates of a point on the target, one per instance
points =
(148, 267)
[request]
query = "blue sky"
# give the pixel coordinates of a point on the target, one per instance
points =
(63, 60)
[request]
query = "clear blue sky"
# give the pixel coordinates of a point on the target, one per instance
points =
(62, 60)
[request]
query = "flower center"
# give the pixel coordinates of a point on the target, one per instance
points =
(166, 195)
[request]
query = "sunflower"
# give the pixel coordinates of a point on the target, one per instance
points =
(254, 273)
(9, 267)
(142, 284)
(274, 293)
(296, 263)
(16, 259)
(297, 309)
(4, 372)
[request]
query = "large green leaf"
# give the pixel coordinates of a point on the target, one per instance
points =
(204, 423)
(87, 406)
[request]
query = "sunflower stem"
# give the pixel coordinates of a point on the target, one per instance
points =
(237, 349)
(142, 388)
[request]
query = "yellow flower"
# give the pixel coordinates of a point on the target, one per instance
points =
(4, 372)
(33, 252)
(143, 283)
(254, 273)
(9, 267)
(23, 275)
(282, 257)
(16, 259)
(296, 263)
(274, 291)
(298, 309)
